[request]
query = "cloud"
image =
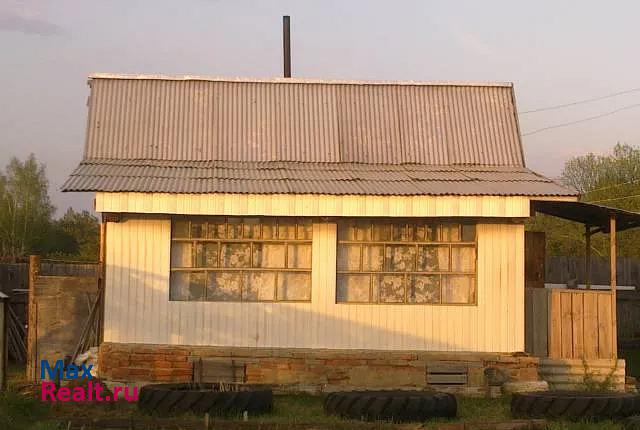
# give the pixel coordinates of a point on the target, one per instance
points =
(26, 17)
(12, 22)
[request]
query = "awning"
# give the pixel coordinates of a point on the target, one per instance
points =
(589, 214)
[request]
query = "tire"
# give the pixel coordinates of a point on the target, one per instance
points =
(166, 399)
(575, 405)
(631, 423)
(396, 405)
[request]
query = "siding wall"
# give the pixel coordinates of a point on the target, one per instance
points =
(138, 309)
(316, 205)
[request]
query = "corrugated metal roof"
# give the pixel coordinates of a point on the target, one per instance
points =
(191, 118)
(307, 178)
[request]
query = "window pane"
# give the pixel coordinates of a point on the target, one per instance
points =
(236, 255)
(372, 257)
(400, 258)
(187, 286)
(424, 289)
(426, 233)
(299, 256)
(381, 232)
(305, 229)
(269, 228)
(251, 228)
(286, 229)
(391, 288)
(458, 289)
(216, 228)
(400, 232)
(234, 228)
(223, 286)
(211, 254)
(346, 230)
(362, 230)
(450, 233)
(198, 255)
(353, 288)
(181, 254)
(294, 286)
(180, 229)
(468, 233)
(197, 230)
(259, 286)
(433, 258)
(348, 257)
(268, 255)
(463, 259)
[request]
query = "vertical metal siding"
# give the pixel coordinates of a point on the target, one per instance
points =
(138, 310)
(307, 122)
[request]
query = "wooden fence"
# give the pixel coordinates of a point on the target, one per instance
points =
(559, 270)
(570, 324)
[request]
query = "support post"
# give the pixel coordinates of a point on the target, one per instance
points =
(32, 319)
(4, 340)
(102, 272)
(587, 261)
(613, 262)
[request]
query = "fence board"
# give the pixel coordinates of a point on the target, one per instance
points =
(590, 325)
(566, 320)
(604, 324)
(577, 324)
(555, 326)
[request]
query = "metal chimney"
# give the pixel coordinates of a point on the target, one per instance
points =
(286, 45)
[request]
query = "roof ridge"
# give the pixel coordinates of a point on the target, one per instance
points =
(280, 80)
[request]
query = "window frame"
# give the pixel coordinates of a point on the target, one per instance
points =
(252, 242)
(407, 274)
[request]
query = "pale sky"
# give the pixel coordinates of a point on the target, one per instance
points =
(554, 52)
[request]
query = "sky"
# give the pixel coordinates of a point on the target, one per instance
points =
(554, 52)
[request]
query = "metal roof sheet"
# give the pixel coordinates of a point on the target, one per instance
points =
(307, 178)
(205, 119)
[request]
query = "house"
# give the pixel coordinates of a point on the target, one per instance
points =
(314, 234)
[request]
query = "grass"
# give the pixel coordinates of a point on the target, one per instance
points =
(20, 409)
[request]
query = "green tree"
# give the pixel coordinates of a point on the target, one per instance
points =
(610, 180)
(75, 236)
(25, 208)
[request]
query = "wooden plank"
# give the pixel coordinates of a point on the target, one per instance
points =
(541, 322)
(555, 325)
(590, 325)
(567, 325)
(604, 327)
(529, 316)
(614, 280)
(577, 311)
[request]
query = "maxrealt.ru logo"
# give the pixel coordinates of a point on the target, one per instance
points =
(92, 392)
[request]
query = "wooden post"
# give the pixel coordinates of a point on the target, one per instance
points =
(4, 340)
(614, 302)
(32, 319)
(587, 261)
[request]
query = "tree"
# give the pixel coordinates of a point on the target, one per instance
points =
(76, 235)
(611, 180)
(25, 208)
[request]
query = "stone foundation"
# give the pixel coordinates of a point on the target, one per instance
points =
(318, 370)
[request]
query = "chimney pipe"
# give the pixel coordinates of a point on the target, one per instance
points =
(286, 46)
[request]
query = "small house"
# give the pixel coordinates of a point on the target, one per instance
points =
(311, 234)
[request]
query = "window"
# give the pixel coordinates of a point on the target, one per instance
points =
(236, 259)
(406, 262)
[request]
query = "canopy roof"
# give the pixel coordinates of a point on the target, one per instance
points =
(588, 214)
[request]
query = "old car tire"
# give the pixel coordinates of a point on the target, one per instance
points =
(575, 405)
(631, 423)
(396, 405)
(163, 399)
